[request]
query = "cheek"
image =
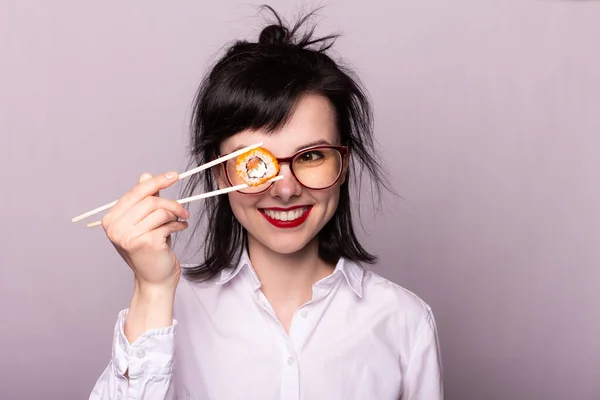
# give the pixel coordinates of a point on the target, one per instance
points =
(241, 203)
(328, 198)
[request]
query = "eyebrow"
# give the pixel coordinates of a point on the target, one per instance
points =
(311, 144)
(304, 146)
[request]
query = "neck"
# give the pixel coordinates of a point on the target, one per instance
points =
(288, 278)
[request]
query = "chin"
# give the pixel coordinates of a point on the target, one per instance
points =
(283, 245)
(287, 248)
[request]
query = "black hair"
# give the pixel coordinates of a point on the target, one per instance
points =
(256, 85)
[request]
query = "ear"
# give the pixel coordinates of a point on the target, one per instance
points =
(345, 165)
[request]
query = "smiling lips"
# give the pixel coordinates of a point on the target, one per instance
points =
(286, 217)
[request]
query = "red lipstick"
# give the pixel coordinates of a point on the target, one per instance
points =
(286, 224)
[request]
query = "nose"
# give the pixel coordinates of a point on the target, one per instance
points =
(286, 188)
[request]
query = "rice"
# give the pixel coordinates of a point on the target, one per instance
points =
(256, 166)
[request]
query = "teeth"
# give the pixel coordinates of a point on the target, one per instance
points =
(286, 215)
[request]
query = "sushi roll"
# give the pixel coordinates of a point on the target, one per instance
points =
(256, 166)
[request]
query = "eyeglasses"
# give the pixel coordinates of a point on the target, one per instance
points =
(316, 168)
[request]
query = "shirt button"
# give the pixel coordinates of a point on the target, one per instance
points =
(141, 353)
(304, 314)
(290, 360)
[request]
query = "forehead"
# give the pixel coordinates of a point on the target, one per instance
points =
(313, 121)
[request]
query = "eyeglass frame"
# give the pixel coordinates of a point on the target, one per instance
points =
(343, 150)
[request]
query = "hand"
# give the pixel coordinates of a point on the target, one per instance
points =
(140, 227)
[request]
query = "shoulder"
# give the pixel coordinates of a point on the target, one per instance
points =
(399, 315)
(408, 310)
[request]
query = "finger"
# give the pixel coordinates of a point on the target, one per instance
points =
(144, 177)
(148, 187)
(163, 233)
(170, 228)
(149, 205)
(153, 221)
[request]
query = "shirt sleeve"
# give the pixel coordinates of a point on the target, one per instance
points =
(148, 362)
(424, 380)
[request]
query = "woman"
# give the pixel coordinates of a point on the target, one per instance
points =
(281, 307)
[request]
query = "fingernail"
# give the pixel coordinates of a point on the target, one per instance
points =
(170, 175)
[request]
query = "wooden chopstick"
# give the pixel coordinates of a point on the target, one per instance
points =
(181, 176)
(203, 196)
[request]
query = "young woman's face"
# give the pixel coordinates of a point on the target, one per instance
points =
(303, 211)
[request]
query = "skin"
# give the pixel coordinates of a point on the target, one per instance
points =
(140, 226)
(286, 259)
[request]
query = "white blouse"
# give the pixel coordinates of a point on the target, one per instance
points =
(360, 337)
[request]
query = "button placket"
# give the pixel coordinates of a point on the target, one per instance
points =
(299, 327)
(290, 383)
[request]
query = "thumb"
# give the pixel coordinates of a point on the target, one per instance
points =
(144, 177)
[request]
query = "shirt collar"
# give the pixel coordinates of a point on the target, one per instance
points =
(228, 274)
(352, 272)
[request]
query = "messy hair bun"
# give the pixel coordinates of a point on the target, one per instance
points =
(278, 33)
(274, 34)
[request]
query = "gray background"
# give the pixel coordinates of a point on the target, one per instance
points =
(488, 114)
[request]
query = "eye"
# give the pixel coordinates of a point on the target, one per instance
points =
(310, 156)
